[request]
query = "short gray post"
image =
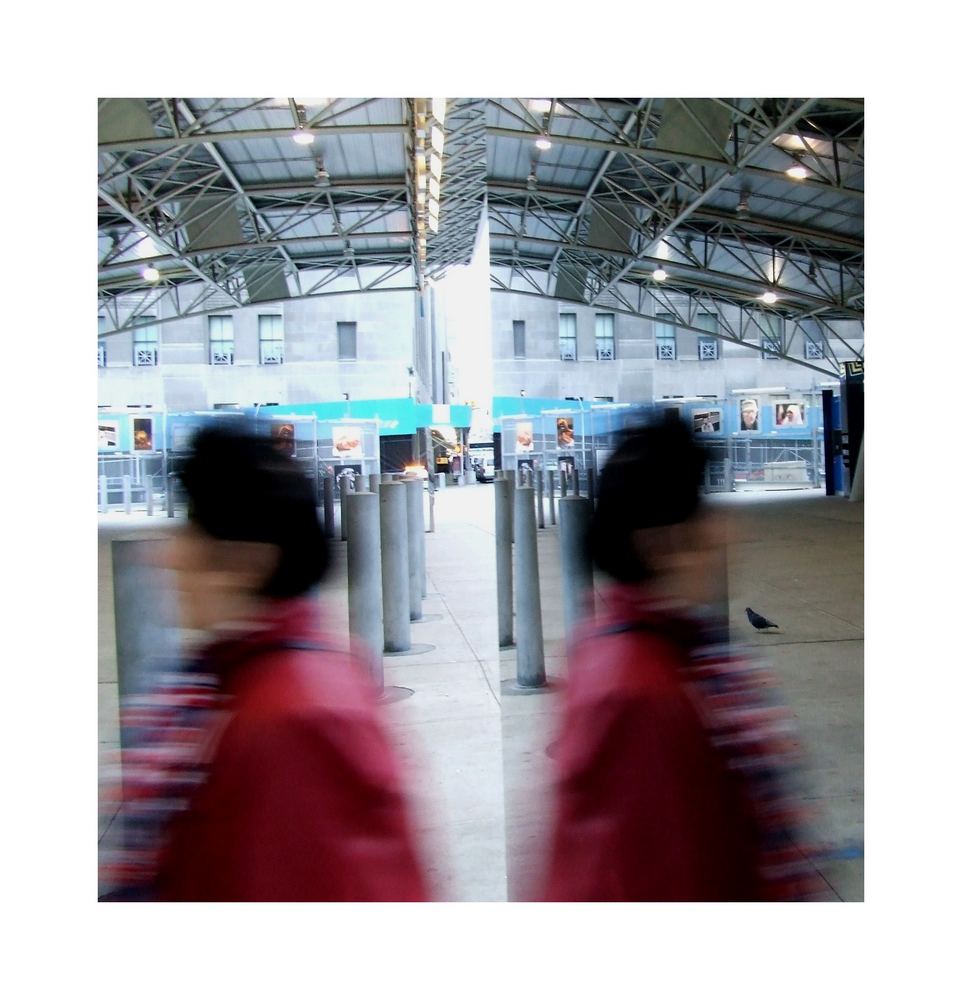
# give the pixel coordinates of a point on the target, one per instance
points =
(530, 638)
(126, 482)
(551, 509)
(431, 512)
(415, 536)
(502, 550)
(170, 494)
(577, 483)
(365, 612)
(564, 481)
(328, 506)
(729, 476)
(512, 477)
(346, 489)
(374, 481)
(539, 479)
(591, 485)
(395, 574)
(104, 507)
(574, 514)
(149, 494)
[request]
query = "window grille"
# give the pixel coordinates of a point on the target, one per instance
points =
(707, 349)
(101, 355)
(813, 351)
(666, 351)
(770, 349)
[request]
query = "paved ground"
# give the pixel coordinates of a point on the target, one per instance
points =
(476, 753)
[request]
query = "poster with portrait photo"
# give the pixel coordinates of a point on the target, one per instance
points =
(348, 442)
(143, 434)
(524, 437)
(108, 435)
(706, 421)
(790, 414)
(566, 432)
(284, 441)
(749, 415)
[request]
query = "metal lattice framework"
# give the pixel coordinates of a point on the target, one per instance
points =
(217, 197)
(697, 188)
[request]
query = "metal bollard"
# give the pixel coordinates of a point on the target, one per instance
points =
(149, 494)
(591, 485)
(374, 481)
(502, 536)
(104, 505)
(512, 477)
(395, 573)
(328, 488)
(530, 638)
(365, 611)
(346, 490)
(170, 494)
(431, 513)
(539, 479)
(577, 483)
(126, 482)
(564, 482)
(575, 517)
(415, 538)
(551, 508)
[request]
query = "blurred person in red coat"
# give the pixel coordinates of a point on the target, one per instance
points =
(673, 765)
(263, 770)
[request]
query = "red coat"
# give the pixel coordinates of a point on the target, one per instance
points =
(303, 799)
(645, 807)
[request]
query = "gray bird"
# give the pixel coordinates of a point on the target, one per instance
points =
(759, 621)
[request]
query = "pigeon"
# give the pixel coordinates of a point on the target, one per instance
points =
(759, 621)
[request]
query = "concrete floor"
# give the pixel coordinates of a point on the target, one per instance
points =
(475, 752)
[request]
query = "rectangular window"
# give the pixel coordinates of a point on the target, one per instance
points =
(519, 338)
(101, 345)
(568, 337)
(221, 332)
(605, 336)
(664, 337)
(271, 332)
(146, 340)
(347, 341)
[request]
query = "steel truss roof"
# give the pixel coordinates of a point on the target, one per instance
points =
(697, 187)
(216, 195)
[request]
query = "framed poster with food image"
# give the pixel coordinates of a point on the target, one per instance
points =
(524, 437)
(790, 414)
(706, 421)
(143, 434)
(749, 415)
(108, 435)
(347, 442)
(284, 440)
(566, 432)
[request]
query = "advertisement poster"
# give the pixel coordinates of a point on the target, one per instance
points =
(347, 442)
(566, 432)
(749, 415)
(706, 421)
(283, 435)
(108, 435)
(143, 434)
(524, 437)
(790, 414)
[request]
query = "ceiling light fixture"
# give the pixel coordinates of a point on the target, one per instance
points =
(321, 176)
(150, 274)
(769, 298)
(302, 137)
(798, 172)
(543, 142)
(532, 181)
(660, 274)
